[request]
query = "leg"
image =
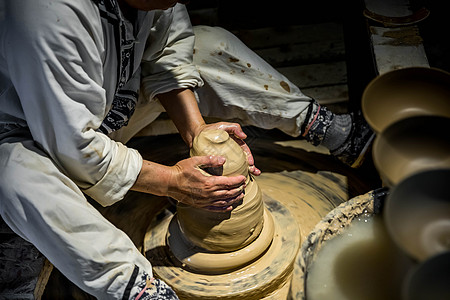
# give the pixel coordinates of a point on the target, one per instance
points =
(146, 112)
(46, 208)
(240, 85)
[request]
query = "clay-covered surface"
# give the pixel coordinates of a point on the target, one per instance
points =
(293, 172)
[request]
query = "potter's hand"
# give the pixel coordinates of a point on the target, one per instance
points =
(192, 186)
(236, 133)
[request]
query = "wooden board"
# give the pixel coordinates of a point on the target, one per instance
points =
(397, 46)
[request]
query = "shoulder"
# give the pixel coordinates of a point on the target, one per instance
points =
(45, 19)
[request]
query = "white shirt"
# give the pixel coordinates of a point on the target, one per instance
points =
(60, 73)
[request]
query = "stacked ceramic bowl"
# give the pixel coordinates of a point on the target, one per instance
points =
(409, 109)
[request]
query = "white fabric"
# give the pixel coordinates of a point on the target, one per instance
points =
(58, 75)
(63, 64)
(238, 86)
(45, 207)
(241, 85)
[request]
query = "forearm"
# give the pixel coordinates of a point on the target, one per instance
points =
(153, 179)
(185, 182)
(182, 108)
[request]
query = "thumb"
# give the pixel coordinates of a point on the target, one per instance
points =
(209, 161)
(211, 164)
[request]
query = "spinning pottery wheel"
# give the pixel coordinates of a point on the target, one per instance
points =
(247, 253)
(299, 185)
(298, 182)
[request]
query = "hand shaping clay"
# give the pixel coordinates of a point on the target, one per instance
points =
(223, 231)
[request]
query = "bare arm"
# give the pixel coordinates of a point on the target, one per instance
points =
(185, 181)
(182, 108)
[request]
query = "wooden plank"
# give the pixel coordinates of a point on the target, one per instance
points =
(327, 82)
(293, 45)
(321, 51)
(396, 48)
(42, 280)
(312, 75)
(399, 47)
(295, 34)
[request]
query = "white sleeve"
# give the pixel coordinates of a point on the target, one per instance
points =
(54, 56)
(167, 61)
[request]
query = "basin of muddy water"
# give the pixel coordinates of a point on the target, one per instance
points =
(350, 255)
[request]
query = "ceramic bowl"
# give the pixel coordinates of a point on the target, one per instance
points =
(403, 93)
(417, 214)
(429, 280)
(412, 145)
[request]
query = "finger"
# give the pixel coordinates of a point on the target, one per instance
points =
(228, 201)
(227, 183)
(229, 195)
(219, 209)
(251, 161)
(225, 206)
(211, 161)
(233, 129)
(254, 170)
(247, 152)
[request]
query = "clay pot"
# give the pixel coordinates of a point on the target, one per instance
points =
(404, 93)
(223, 231)
(410, 146)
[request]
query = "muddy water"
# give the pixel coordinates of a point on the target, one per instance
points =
(360, 263)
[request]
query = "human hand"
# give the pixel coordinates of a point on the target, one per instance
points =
(238, 135)
(191, 185)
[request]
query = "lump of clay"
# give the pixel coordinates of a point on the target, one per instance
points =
(223, 231)
(218, 142)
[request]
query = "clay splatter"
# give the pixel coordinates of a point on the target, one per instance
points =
(285, 86)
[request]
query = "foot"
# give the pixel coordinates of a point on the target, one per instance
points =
(352, 152)
(156, 289)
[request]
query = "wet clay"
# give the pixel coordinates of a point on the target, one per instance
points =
(199, 260)
(265, 277)
(224, 231)
(254, 245)
(296, 179)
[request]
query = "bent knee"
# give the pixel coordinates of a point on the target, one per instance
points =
(213, 39)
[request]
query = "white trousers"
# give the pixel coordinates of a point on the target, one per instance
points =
(239, 86)
(46, 208)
